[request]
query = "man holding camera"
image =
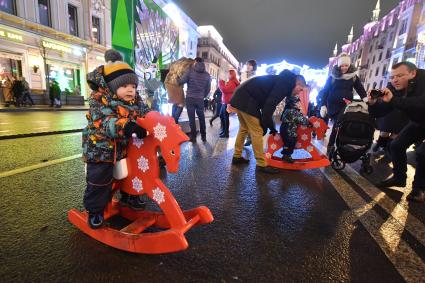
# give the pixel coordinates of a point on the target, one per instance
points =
(405, 77)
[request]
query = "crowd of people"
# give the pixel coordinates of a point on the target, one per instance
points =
(398, 110)
(115, 106)
(255, 99)
(16, 91)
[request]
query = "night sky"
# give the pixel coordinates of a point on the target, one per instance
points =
(300, 31)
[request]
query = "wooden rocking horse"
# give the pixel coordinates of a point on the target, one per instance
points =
(317, 160)
(143, 178)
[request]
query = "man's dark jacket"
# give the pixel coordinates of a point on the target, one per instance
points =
(412, 104)
(259, 96)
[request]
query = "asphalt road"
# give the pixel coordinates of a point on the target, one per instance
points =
(311, 226)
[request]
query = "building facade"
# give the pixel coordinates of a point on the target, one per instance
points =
(217, 57)
(397, 36)
(61, 40)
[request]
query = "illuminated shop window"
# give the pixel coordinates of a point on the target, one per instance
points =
(10, 67)
(67, 78)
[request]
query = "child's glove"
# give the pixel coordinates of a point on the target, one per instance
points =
(132, 127)
(273, 132)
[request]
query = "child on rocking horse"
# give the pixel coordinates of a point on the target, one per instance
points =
(114, 108)
(291, 118)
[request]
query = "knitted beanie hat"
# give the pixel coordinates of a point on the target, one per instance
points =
(116, 72)
(344, 59)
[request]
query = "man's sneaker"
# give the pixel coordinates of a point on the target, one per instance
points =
(95, 220)
(417, 195)
(287, 158)
(239, 160)
(204, 138)
(267, 170)
(392, 182)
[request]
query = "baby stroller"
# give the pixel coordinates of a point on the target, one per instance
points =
(354, 138)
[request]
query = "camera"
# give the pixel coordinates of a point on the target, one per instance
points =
(376, 93)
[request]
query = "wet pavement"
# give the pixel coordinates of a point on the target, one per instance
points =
(19, 123)
(312, 226)
(31, 123)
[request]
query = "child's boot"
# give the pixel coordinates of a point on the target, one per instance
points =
(95, 220)
(287, 158)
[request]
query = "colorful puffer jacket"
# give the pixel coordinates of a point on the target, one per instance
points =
(103, 137)
(293, 116)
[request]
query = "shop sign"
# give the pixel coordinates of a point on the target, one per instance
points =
(10, 35)
(57, 47)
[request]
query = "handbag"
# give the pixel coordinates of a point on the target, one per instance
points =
(120, 169)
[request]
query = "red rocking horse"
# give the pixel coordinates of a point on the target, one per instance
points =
(143, 178)
(317, 160)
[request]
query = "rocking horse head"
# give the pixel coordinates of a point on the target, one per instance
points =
(167, 135)
(319, 127)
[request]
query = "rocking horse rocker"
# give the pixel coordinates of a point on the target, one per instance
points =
(143, 178)
(317, 160)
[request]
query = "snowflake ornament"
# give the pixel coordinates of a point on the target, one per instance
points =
(268, 155)
(160, 132)
(304, 137)
(273, 146)
(137, 142)
(137, 184)
(143, 164)
(158, 196)
(316, 124)
(309, 148)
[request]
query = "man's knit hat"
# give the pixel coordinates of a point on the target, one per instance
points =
(344, 59)
(116, 72)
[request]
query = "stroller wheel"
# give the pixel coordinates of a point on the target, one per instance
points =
(338, 164)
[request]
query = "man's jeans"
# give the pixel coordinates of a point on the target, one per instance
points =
(225, 120)
(412, 133)
(419, 181)
(196, 105)
(176, 112)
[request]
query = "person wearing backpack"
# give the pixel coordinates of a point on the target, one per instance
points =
(338, 88)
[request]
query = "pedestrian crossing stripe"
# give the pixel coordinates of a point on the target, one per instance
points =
(38, 166)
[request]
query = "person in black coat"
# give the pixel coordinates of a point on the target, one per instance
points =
(390, 125)
(255, 101)
(409, 80)
(217, 100)
(338, 88)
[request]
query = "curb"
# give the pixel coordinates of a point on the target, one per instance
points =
(29, 135)
(4, 110)
(183, 124)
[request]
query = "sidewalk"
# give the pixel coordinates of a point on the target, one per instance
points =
(36, 108)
